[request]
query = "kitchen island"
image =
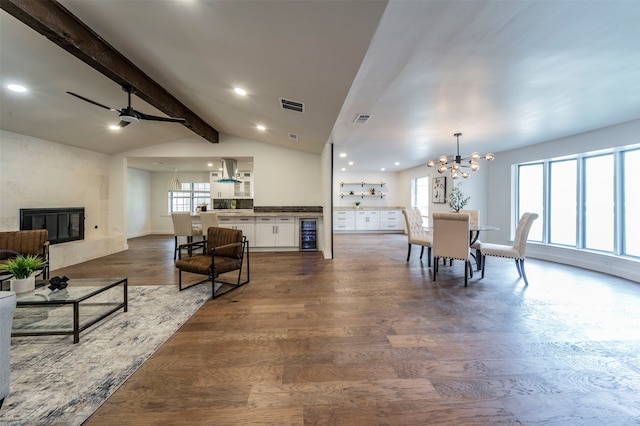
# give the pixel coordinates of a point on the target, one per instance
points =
(270, 230)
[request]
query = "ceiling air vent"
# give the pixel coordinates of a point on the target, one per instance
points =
(291, 105)
(293, 136)
(362, 118)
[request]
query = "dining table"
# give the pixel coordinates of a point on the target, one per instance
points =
(474, 234)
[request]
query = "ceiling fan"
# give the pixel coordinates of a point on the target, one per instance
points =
(129, 115)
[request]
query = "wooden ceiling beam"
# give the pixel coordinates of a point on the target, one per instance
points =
(53, 21)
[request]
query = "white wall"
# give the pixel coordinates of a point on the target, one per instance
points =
(37, 173)
(475, 186)
(138, 203)
(282, 177)
(501, 213)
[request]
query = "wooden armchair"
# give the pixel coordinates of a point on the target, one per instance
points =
(223, 251)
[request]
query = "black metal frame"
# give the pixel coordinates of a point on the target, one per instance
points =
(213, 277)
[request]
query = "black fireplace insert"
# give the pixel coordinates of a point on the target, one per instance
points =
(64, 224)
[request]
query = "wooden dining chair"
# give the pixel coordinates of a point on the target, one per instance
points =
(451, 241)
(515, 251)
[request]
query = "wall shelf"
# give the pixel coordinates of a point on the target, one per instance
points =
(362, 184)
(362, 195)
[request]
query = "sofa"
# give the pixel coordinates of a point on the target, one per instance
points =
(7, 307)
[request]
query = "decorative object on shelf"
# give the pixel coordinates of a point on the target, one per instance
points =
(439, 190)
(175, 184)
(350, 192)
(372, 190)
(23, 269)
(454, 163)
(457, 200)
(357, 203)
(203, 207)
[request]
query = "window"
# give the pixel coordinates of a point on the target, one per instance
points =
(587, 201)
(192, 195)
(631, 205)
(420, 195)
(563, 203)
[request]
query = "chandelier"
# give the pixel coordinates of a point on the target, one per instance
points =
(455, 163)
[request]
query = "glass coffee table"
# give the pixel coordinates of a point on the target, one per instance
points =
(83, 303)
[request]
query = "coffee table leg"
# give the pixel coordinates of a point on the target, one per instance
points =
(76, 322)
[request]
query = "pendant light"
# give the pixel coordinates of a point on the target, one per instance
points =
(175, 184)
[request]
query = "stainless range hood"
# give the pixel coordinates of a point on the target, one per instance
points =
(229, 171)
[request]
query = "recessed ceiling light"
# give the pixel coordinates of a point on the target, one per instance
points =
(343, 154)
(114, 127)
(343, 169)
(382, 169)
(240, 91)
(16, 88)
(209, 164)
(351, 163)
(261, 127)
(397, 163)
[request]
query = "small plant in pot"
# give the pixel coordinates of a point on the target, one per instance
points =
(357, 203)
(23, 268)
(457, 199)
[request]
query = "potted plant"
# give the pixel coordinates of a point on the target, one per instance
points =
(23, 269)
(357, 203)
(372, 190)
(457, 200)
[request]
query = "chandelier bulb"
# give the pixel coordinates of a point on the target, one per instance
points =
(430, 163)
(475, 155)
(489, 157)
(443, 159)
(465, 174)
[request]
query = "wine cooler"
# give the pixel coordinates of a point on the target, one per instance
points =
(308, 234)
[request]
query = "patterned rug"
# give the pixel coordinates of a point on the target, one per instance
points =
(54, 381)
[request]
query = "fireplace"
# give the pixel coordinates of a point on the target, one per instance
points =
(64, 224)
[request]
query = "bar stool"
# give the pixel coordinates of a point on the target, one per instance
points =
(183, 227)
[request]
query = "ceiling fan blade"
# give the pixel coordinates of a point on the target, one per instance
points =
(91, 102)
(123, 123)
(155, 118)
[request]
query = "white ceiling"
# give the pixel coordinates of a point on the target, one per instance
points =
(504, 73)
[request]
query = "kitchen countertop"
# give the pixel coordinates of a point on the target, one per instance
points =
(251, 213)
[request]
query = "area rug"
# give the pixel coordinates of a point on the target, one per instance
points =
(54, 381)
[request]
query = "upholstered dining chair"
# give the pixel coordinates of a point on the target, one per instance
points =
(416, 233)
(451, 240)
(474, 216)
(515, 251)
(208, 219)
(183, 227)
(224, 250)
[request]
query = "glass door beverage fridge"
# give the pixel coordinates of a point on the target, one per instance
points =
(309, 234)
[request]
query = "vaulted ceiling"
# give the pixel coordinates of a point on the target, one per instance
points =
(505, 74)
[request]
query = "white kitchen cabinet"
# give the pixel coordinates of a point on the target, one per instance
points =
(367, 220)
(391, 220)
(245, 224)
(275, 231)
(344, 220)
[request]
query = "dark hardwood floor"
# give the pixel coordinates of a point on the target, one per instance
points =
(370, 339)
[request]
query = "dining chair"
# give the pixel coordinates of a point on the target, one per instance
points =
(416, 233)
(208, 219)
(451, 240)
(474, 216)
(515, 251)
(183, 226)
